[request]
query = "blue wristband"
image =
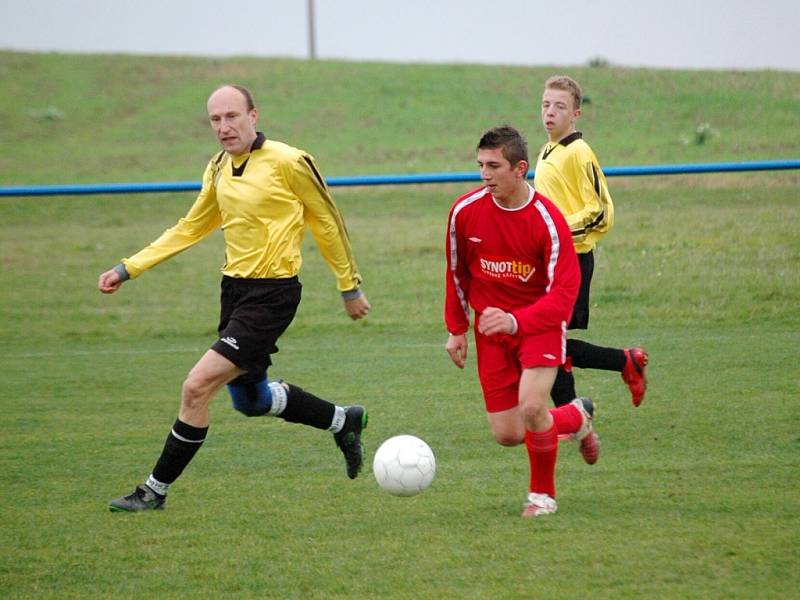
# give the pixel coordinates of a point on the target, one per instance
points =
(352, 294)
(122, 272)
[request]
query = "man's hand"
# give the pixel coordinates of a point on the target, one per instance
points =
(493, 320)
(357, 308)
(457, 349)
(109, 282)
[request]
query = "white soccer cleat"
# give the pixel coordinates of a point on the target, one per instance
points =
(538, 505)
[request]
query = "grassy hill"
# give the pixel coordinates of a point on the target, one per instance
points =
(694, 496)
(68, 118)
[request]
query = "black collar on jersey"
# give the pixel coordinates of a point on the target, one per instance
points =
(256, 145)
(575, 135)
(259, 141)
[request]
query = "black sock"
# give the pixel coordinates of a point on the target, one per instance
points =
(588, 356)
(563, 391)
(182, 444)
(305, 408)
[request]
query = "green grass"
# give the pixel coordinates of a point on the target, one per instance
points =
(696, 492)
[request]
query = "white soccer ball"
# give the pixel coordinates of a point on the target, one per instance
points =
(404, 465)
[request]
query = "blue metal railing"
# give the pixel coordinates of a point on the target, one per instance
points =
(367, 180)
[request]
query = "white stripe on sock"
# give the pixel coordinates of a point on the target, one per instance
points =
(338, 420)
(183, 439)
(279, 396)
(155, 485)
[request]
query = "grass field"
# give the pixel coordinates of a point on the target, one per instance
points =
(697, 492)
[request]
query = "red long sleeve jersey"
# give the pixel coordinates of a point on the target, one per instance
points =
(520, 260)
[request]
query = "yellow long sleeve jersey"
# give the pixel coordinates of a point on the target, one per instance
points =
(568, 173)
(262, 205)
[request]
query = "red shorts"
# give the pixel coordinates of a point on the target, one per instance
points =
(501, 359)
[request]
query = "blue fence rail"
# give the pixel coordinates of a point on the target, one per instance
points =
(367, 180)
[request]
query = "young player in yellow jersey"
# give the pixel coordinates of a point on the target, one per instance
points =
(262, 194)
(567, 172)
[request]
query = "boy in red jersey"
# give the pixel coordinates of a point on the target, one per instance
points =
(510, 257)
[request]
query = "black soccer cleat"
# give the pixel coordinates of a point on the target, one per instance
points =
(349, 438)
(142, 498)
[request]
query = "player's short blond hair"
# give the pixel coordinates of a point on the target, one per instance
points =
(566, 84)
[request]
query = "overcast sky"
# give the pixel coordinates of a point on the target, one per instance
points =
(714, 34)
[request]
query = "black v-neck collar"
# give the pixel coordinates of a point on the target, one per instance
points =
(256, 145)
(548, 149)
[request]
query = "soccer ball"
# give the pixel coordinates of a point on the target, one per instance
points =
(404, 465)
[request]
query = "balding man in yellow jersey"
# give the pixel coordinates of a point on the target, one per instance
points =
(262, 194)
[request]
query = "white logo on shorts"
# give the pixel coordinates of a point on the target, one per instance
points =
(549, 356)
(231, 341)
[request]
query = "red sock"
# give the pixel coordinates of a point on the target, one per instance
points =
(567, 418)
(542, 453)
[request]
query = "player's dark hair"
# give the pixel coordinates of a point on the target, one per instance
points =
(509, 140)
(248, 95)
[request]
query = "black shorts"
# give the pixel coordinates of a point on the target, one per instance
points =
(254, 313)
(580, 314)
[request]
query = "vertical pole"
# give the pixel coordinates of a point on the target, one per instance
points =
(312, 35)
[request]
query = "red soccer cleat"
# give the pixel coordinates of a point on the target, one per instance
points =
(590, 448)
(587, 437)
(635, 373)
